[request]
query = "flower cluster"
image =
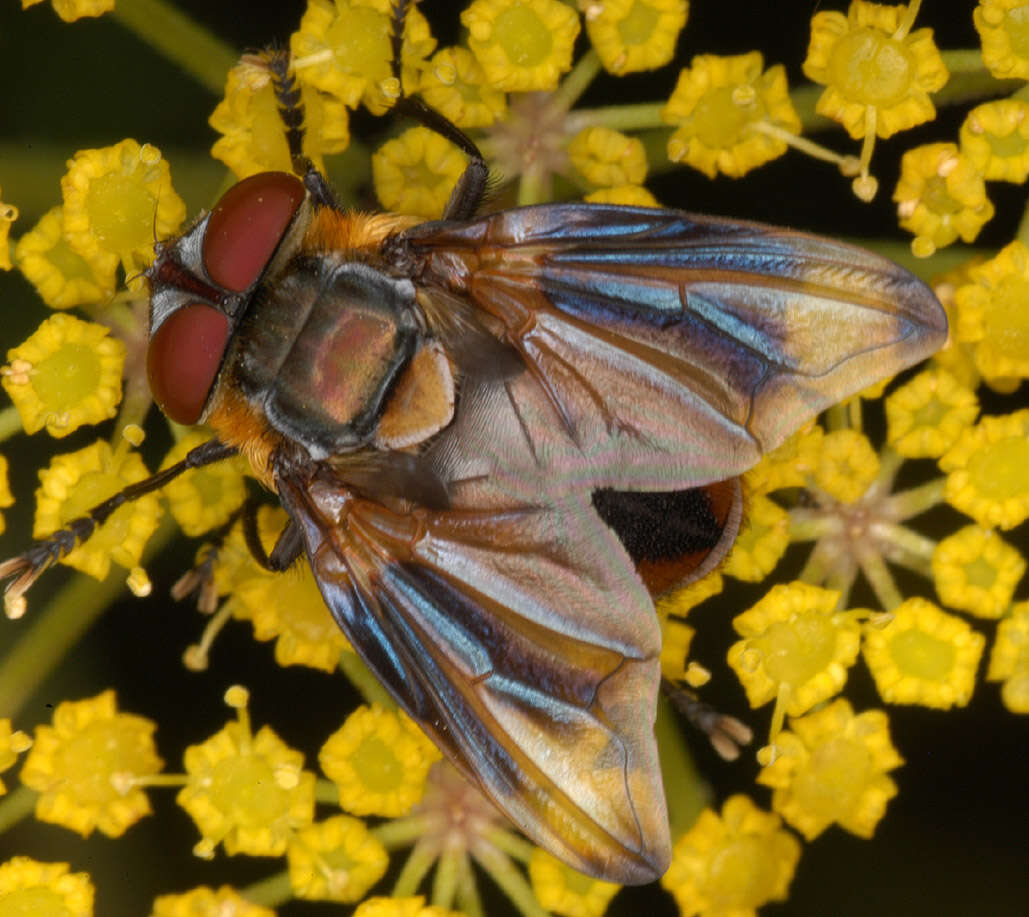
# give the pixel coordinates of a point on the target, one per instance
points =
(903, 511)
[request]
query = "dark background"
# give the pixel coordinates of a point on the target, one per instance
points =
(954, 841)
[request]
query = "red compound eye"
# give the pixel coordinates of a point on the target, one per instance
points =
(183, 358)
(246, 226)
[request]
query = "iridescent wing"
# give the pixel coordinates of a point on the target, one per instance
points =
(523, 643)
(664, 350)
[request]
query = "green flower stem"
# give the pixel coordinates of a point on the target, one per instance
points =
(889, 464)
(687, 793)
(1023, 228)
(415, 869)
(816, 568)
(913, 502)
(907, 540)
(444, 884)
(578, 81)
(812, 524)
(10, 423)
(326, 792)
(271, 892)
(468, 899)
(514, 845)
(401, 832)
(533, 188)
(641, 116)
(54, 631)
(16, 805)
(880, 579)
(510, 879)
(180, 39)
(362, 678)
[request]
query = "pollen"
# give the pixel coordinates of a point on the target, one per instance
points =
(205, 498)
(66, 375)
(335, 860)
(831, 768)
(116, 200)
(89, 766)
(732, 863)
(940, 197)
(563, 890)
(415, 173)
(925, 417)
(729, 114)
(607, 157)
(248, 792)
(992, 315)
(379, 761)
(208, 902)
(522, 45)
(988, 471)
(28, 886)
(76, 482)
(976, 571)
(633, 35)
(456, 86)
(1009, 661)
(343, 48)
(252, 136)
(923, 656)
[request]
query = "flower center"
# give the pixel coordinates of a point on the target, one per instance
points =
(1016, 24)
(639, 24)
(719, 120)
(376, 765)
(869, 68)
(741, 875)
(65, 377)
(121, 212)
(998, 471)
(797, 650)
(918, 654)
(835, 777)
(525, 39)
(360, 41)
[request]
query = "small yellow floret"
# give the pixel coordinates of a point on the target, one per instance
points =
(1009, 661)
(761, 543)
(30, 887)
(608, 157)
(976, 571)
(208, 902)
(634, 35)
(925, 417)
(416, 172)
(335, 860)
(1004, 31)
(566, 891)
(8, 214)
(455, 85)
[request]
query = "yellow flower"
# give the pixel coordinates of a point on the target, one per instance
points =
(252, 136)
(1009, 661)
(74, 483)
(343, 48)
(202, 499)
(830, 767)
(796, 649)
(378, 759)
(729, 114)
(30, 887)
(877, 74)
(415, 172)
(206, 902)
(70, 10)
(847, 465)
(565, 891)
(335, 860)
(8, 214)
(624, 195)
(116, 199)
(923, 656)
(61, 276)
(401, 907)
(633, 35)
(1004, 33)
(790, 465)
(995, 138)
(940, 196)
(456, 86)
(976, 571)
(289, 609)
(676, 637)
(522, 45)
(992, 313)
(925, 417)
(680, 601)
(12, 744)
(761, 543)
(732, 864)
(248, 792)
(607, 157)
(988, 471)
(88, 767)
(66, 375)
(6, 497)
